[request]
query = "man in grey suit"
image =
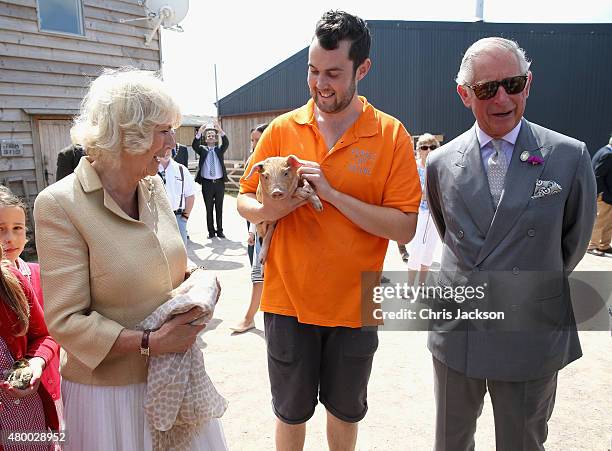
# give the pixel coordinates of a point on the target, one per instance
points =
(514, 204)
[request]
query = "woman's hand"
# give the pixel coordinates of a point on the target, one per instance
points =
(176, 335)
(37, 365)
(251, 239)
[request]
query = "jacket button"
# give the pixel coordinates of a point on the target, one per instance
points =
(460, 234)
(515, 270)
(531, 232)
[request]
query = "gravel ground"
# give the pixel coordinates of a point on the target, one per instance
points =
(401, 404)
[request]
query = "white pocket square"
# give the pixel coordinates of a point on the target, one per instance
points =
(545, 188)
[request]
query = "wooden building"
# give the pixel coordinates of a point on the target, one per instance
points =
(186, 132)
(238, 129)
(49, 52)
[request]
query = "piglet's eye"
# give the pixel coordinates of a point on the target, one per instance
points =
(265, 175)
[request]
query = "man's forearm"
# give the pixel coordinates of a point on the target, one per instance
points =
(269, 211)
(249, 208)
(385, 222)
(189, 201)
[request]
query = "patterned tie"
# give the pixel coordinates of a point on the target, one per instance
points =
(211, 162)
(497, 171)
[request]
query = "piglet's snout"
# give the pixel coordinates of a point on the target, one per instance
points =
(277, 193)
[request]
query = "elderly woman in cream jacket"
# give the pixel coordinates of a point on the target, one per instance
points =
(110, 252)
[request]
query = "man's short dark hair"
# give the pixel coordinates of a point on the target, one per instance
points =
(336, 26)
(260, 128)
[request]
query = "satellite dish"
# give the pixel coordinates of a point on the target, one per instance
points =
(171, 12)
(165, 13)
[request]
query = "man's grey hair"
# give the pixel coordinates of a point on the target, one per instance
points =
(465, 76)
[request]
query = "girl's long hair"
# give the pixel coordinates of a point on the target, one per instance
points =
(12, 294)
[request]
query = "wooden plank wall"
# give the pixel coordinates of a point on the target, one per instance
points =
(238, 130)
(185, 135)
(42, 70)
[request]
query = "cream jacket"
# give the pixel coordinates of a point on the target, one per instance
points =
(103, 271)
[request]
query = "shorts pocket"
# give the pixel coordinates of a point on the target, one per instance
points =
(281, 337)
(360, 343)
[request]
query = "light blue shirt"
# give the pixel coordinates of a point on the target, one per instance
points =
(486, 145)
(214, 160)
(422, 172)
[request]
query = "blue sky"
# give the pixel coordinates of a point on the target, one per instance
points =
(245, 39)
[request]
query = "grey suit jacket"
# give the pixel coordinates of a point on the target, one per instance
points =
(522, 252)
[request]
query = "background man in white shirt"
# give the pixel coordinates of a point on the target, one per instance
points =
(180, 188)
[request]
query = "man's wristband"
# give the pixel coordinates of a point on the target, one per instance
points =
(185, 215)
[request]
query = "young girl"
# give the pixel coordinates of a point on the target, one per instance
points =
(13, 239)
(24, 335)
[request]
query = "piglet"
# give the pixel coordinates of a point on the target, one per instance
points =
(278, 178)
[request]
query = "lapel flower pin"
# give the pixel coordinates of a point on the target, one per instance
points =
(535, 160)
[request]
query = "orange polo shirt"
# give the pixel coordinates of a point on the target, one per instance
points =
(315, 261)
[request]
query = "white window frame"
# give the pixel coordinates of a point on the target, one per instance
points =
(65, 33)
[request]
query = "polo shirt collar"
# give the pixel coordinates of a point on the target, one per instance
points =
(365, 125)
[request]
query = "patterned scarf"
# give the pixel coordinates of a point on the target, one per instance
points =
(180, 396)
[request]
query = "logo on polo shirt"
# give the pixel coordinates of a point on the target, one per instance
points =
(361, 161)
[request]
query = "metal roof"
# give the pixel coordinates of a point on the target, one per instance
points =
(415, 63)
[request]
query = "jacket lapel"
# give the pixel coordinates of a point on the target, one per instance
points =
(472, 182)
(518, 188)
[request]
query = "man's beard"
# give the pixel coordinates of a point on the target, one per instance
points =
(340, 103)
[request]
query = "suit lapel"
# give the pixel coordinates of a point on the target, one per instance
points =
(472, 182)
(518, 188)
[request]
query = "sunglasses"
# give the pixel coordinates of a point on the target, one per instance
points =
(432, 147)
(512, 85)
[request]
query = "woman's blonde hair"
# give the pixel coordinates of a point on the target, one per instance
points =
(120, 111)
(427, 138)
(13, 296)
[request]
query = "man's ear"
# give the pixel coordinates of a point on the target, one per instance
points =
(363, 69)
(529, 80)
(465, 95)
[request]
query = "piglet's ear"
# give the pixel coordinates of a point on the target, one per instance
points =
(294, 161)
(256, 167)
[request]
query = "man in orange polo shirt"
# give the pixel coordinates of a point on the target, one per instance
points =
(361, 163)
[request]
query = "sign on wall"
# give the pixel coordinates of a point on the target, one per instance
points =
(10, 148)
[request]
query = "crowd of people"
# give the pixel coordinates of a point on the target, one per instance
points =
(507, 196)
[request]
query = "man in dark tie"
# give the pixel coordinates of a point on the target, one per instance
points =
(514, 203)
(212, 174)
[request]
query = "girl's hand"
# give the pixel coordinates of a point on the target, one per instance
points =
(37, 365)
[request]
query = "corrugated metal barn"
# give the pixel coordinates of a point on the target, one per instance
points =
(413, 72)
